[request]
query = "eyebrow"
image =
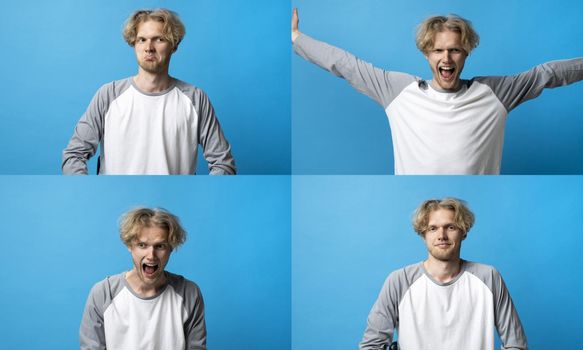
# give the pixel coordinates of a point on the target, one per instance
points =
(155, 243)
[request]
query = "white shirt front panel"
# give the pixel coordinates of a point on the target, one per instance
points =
(150, 134)
(444, 317)
(447, 133)
(145, 324)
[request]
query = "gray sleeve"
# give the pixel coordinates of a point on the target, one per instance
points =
(89, 130)
(380, 85)
(91, 331)
(195, 326)
(513, 90)
(506, 318)
(383, 318)
(216, 148)
(86, 137)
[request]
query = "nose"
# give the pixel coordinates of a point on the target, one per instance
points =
(447, 55)
(149, 46)
(442, 233)
(150, 252)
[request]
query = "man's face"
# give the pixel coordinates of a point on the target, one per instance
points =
(153, 51)
(443, 238)
(446, 60)
(150, 254)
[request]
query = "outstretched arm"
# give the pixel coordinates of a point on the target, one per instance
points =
(382, 86)
(516, 89)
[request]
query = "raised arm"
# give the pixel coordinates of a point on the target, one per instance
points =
(380, 85)
(513, 90)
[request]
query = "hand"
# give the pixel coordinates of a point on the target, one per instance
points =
(294, 25)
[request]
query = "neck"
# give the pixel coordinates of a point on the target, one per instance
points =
(152, 82)
(141, 289)
(443, 271)
(436, 86)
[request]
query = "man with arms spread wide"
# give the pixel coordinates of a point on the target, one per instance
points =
(146, 307)
(447, 125)
(444, 302)
(151, 123)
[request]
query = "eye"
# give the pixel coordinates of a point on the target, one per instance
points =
(452, 228)
(141, 245)
(161, 246)
(432, 228)
(160, 40)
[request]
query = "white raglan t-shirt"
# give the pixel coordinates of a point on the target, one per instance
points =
(437, 132)
(460, 314)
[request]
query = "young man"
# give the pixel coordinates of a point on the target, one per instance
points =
(444, 302)
(150, 123)
(146, 307)
(446, 125)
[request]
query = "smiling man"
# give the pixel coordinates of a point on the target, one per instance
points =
(150, 123)
(446, 125)
(145, 307)
(444, 302)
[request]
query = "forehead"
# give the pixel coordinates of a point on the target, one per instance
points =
(149, 27)
(440, 216)
(152, 234)
(447, 38)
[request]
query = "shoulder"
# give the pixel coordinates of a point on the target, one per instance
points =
(113, 89)
(488, 274)
(479, 268)
(183, 286)
(188, 89)
(105, 290)
(404, 277)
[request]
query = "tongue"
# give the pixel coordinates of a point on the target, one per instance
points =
(447, 74)
(149, 269)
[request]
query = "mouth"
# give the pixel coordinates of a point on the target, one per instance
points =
(149, 269)
(447, 73)
(443, 245)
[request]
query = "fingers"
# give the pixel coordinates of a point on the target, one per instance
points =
(295, 20)
(294, 25)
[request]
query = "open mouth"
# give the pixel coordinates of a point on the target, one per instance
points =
(447, 73)
(149, 269)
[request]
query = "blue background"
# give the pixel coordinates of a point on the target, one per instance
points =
(58, 53)
(337, 130)
(350, 232)
(60, 236)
